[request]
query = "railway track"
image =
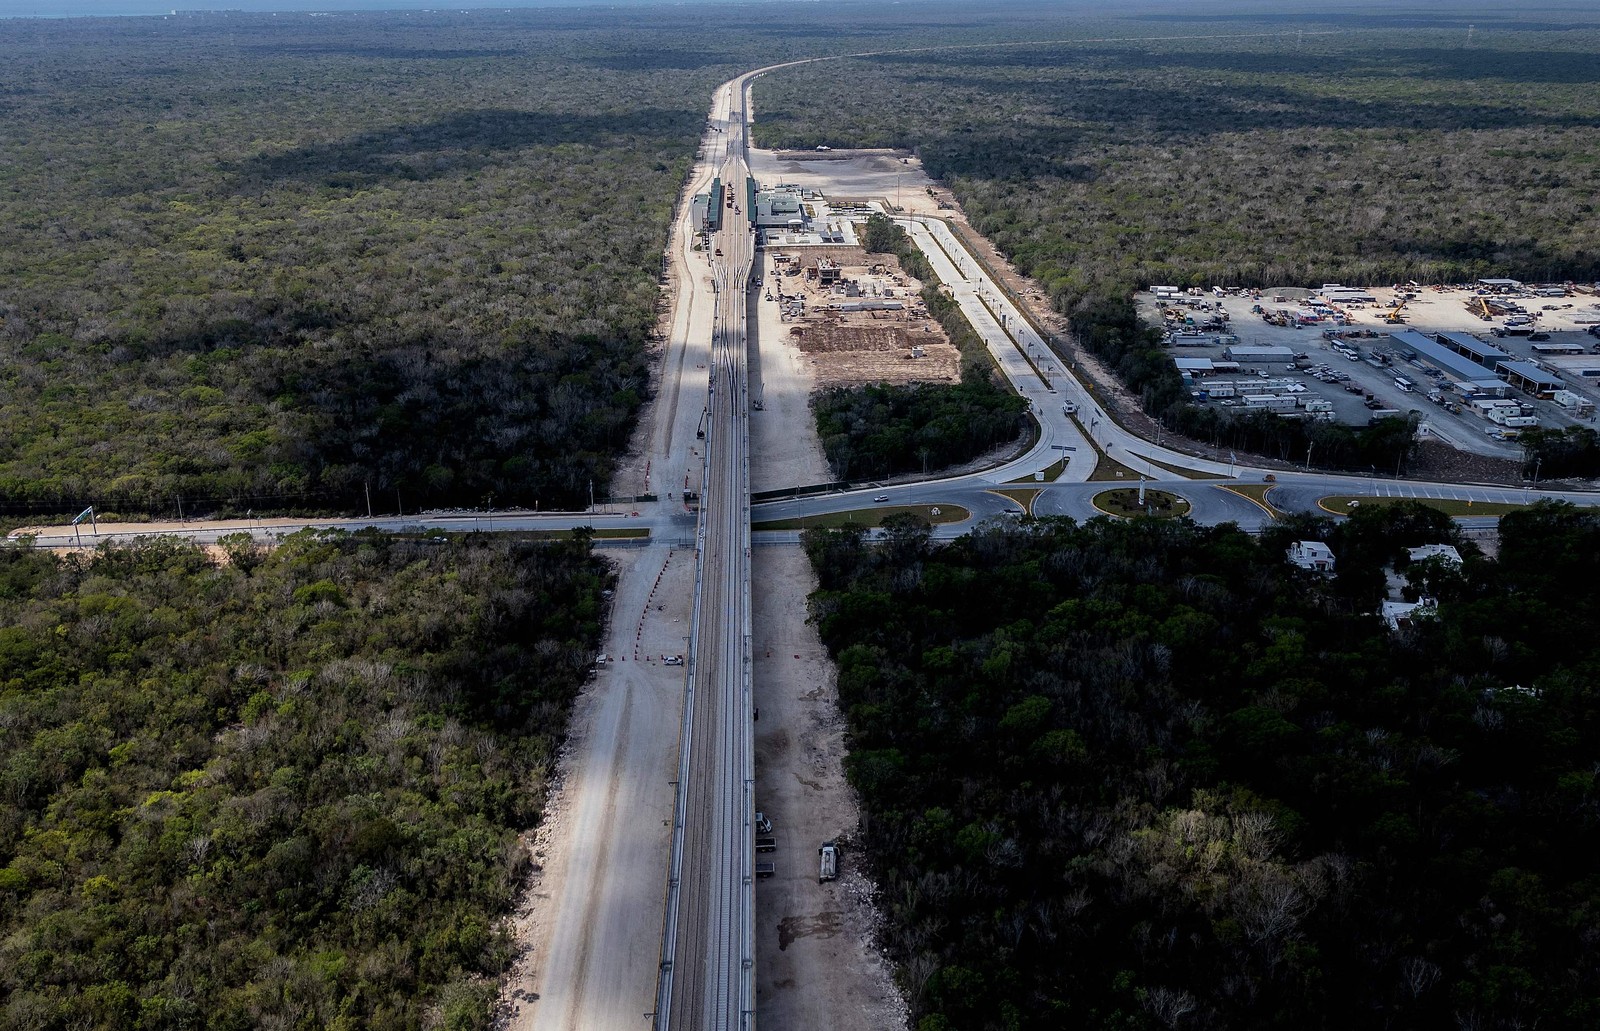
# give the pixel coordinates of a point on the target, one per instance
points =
(708, 941)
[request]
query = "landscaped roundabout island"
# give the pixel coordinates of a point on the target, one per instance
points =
(1125, 502)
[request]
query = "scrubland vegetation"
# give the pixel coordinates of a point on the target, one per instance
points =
(1149, 775)
(280, 792)
(274, 263)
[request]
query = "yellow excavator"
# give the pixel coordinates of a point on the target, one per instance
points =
(1393, 316)
(1480, 308)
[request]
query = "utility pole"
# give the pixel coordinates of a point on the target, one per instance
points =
(367, 487)
(1308, 456)
(591, 496)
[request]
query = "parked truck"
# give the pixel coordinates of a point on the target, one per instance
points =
(829, 862)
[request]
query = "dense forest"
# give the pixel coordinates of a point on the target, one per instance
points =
(1149, 775)
(883, 429)
(283, 791)
(1295, 147)
(275, 262)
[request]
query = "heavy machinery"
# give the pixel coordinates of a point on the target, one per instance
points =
(1394, 315)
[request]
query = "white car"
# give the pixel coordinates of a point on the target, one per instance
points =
(672, 660)
(881, 497)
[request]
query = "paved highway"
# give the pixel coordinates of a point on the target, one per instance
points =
(708, 943)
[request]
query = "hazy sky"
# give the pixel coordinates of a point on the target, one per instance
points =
(102, 8)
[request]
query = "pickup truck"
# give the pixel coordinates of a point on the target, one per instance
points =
(829, 866)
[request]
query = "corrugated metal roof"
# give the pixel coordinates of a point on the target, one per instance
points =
(1248, 353)
(1438, 355)
(1530, 372)
(1485, 354)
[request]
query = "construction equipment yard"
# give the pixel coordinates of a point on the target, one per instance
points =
(1477, 363)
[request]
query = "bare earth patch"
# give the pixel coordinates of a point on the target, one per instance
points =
(816, 960)
(850, 348)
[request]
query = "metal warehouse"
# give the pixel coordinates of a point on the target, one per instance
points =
(1486, 355)
(1529, 377)
(1439, 356)
(1246, 353)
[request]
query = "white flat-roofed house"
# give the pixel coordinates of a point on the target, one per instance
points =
(1313, 555)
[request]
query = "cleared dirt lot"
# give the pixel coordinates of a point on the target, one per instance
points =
(844, 347)
(815, 963)
(892, 176)
(590, 924)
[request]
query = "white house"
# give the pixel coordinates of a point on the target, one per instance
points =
(1403, 613)
(1427, 551)
(1312, 555)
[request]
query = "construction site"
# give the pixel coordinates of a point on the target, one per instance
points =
(856, 321)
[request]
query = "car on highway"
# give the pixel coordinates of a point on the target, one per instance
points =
(880, 497)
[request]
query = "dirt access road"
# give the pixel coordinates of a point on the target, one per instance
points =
(816, 966)
(589, 927)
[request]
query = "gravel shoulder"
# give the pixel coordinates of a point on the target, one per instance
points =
(590, 923)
